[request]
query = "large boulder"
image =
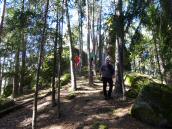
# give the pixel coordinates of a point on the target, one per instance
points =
(153, 105)
(136, 82)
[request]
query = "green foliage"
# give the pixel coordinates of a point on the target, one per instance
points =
(99, 125)
(65, 79)
(5, 103)
(47, 71)
(48, 65)
(8, 90)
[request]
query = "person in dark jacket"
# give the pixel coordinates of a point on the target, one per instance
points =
(107, 72)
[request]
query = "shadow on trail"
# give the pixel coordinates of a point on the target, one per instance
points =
(84, 111)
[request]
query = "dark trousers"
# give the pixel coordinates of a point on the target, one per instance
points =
(105, 81)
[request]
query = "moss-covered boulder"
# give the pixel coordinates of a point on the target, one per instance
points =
(136, 82)
(154, 106)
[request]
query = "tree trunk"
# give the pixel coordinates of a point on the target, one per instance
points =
(40, 61)
(16, 76)
(60, 53)
(90, 75)
(2, 18)
(157, 59)
(80, 33)
(119, 90)
(55, 64)
(73, 80)
(100, 37)
(1, 30)
(23, 42)
(93, 41)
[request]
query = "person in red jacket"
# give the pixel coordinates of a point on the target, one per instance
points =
(77, 62)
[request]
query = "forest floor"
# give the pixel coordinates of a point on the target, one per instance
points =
(82, 112)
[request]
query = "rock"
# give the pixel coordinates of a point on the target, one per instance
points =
(153, 105)
(136, 82)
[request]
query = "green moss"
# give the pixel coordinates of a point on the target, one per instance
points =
(128, 79)
(136, 82)
(99, 125)
(132, 93)
(158, 98)
(144, 112)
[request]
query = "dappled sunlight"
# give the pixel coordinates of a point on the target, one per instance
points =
(25, 122)
(120, 112)
(53, 127)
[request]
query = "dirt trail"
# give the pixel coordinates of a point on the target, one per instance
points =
(86, 109)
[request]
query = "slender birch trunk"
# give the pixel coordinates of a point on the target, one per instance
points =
(73, 79)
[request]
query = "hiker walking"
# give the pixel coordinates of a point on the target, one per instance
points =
(107, 72)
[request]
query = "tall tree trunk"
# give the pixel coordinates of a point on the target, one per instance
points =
(100, 37)
(93, 40)
(23, 42)
(92, 27)
(119, 90)
(55, 63)
(73, 80)
(1, 30)
(60, 56)
(80, 32)
(90, 74)
(16, 76)
(2, 18)
(40, 61)
(157, 59)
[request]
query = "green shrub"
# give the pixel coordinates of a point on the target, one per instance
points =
(5, 103)
(8, 90)
(65, 79)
